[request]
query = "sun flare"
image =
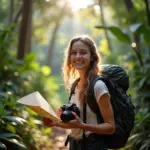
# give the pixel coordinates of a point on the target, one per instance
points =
(77, 4)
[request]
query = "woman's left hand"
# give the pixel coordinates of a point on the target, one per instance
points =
(76, 123)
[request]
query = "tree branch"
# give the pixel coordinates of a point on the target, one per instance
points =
(103, 22)
(147, 12)
(18, 14)
(137, 48)
(129, 4)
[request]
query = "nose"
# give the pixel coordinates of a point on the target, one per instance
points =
(78, 55)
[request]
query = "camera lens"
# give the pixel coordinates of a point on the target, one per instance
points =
(67, 112)
(67, 116)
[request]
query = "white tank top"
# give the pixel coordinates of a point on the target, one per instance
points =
(99, 90)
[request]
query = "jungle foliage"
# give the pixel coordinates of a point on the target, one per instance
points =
(33, 36)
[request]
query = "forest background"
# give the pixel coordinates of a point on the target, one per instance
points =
(33, 37)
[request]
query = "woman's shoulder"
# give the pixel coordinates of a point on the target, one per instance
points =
(99, 83)
(100, 86)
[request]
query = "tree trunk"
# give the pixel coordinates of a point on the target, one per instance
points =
(29, 31)
(128, 4)
(54, 34)
(103, 23)
(148, 17)
(11, 11)
(137, 48)
(25, 28)
(136, 37)
(52, 43)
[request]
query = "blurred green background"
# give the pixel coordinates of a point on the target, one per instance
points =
(33, 36)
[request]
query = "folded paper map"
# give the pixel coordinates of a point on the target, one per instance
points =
(38, 104)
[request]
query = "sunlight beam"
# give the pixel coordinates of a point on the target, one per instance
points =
(77, 4)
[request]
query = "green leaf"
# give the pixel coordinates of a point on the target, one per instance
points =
(136, 27)
(46, 70)
(10, 128)
(147, 36)
(118, 33)
(142, 82)
(1, 111)
(15, 119)
(1, 104)
(3, 95)
(30, 57)
(35, 66)
(145, 145)
(8, 135)
(12, 102)
(10, 26)
(133, 136)
(141, 29)
(18, 145)
(2, 146)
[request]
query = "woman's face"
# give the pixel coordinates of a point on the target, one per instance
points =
(80, 56)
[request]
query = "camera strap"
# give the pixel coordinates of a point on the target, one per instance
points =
(84, 117)
(84, 120)
(72, 91)
(84, 104)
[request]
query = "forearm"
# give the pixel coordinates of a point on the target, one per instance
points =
(64, 125)
(104, 128)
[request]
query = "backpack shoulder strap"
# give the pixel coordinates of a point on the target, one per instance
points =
(91, 100)
(72, 91)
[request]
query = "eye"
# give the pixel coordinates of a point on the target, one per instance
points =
(83, 52)
(73, 53)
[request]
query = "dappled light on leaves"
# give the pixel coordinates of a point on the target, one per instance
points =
(103, 47)
(16, 74)
(46, 70)
(133, 44)
(5, 67)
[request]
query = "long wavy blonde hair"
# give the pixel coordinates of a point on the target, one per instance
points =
(70, 74)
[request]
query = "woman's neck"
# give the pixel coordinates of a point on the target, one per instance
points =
(82, 75)
(81, 81)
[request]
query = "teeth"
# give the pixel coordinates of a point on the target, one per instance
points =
(79, 62)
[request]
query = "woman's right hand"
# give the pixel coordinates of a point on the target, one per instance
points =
(59, 112)
(48, 122)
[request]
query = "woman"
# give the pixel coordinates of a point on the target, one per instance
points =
(82, 61)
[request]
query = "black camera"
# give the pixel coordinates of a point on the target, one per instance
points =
(67, 110)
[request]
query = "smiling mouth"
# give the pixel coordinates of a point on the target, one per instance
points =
(78, 65)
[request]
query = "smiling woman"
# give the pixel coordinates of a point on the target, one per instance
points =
(76, 4)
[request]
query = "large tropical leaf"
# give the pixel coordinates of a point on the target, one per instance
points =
(3, 95)
(2, 146)
(8, 135)
(133, 136)
(15, 119)
(117, 32)
(146, 145)
(137, 27)
(14, 144)
(141, 29)
(147, 35)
